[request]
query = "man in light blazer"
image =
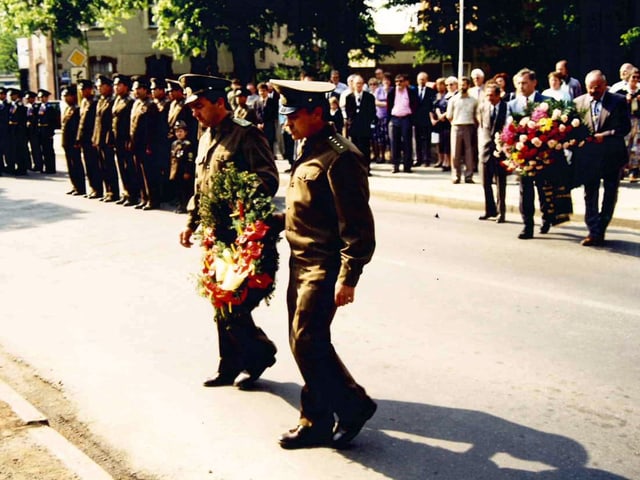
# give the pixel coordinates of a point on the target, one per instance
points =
(492, 116)
(526, 95)
(607, 115)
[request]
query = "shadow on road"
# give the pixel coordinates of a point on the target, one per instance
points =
(413, 441)
(16, 214)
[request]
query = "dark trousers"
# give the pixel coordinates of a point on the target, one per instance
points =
(401, 142)
(423, 144)
(598, 217)
(35, 162)
(242, 345)
(492, 170)
(329, 387)
(528, 186)
(364, 145)
(48, 153)
(108, 170)
(75, 169)
(92, 168)
(127, 172)
(147, 176)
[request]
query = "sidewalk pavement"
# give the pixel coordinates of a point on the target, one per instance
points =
(30, 448)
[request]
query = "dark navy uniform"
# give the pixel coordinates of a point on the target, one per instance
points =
(48, 121)
(18, 157)
(32, 106)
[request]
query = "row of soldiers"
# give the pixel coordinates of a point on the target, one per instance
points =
(27, 125)
(126, 142)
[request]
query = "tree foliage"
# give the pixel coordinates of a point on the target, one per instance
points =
(8, 53)
(500, 32)
(62, 18)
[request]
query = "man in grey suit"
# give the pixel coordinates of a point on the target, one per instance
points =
(527, 95)
(492, 115)
(602, 159)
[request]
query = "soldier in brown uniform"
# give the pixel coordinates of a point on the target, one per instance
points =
(70, 122)
(242, 346)
(329, 227)
(85, 132)
(144, 125)
(121, 126)
(102, 139)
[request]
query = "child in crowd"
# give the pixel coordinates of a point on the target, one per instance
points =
(182, 170)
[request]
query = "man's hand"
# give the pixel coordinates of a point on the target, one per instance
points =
(185, 237)
(344, 295)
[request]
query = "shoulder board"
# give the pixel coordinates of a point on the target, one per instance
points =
(242, 122)
(186, 143)
(337, 144)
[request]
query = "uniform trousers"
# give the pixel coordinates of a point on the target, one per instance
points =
(242, 345)
(126, 171)
(108, 170)
(48, 153)
(75, 169)
(329, 387)
(462, 150)
(92, 168)
(36, 150)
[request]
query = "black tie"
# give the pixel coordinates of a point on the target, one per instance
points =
(494, 113)
(421, 93)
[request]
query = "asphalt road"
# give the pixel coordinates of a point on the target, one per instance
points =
(490, 357)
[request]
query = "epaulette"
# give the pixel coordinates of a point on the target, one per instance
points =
(337, 144)
(242, 122)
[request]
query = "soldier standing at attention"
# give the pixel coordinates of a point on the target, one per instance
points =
(4, 127)
(85, 132)
(229, 141)
(120, 128)
(330, 229)
(48, 121)
(18, 149)
(35, 162)
(102, 139)
(70, 122)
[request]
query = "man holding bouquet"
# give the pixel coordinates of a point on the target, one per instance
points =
(227, 141)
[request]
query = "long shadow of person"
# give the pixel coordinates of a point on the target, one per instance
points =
(411, 441)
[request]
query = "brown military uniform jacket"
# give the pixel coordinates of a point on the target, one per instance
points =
(327, 218)
(87, 120)
(121, 119)
(232, 141)
(144, 124)
(246, 113)
(102, 133)
(70, 123)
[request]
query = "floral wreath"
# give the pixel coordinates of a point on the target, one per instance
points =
(240, 257)
(536, 140)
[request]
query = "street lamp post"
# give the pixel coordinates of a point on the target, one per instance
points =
(460, 38)
(84, 28)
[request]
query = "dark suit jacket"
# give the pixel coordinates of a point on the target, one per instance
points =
(613, 121)
(267, 115)
(421, 116)
(360, 118)
(487, 131)
(391, 98)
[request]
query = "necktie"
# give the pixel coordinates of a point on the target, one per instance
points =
(595, 114)
(494, 112)
(421, 93)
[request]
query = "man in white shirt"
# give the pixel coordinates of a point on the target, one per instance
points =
(461, 112)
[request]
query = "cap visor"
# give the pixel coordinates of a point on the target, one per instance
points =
(191, 99)
(284, 110)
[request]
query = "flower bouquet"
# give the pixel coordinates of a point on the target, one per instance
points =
(540, 137)
(240, 257)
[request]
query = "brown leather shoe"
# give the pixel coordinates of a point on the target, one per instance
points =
(592, 241)
(305, 437)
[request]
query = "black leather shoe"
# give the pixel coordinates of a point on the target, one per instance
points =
(592, 241)
(110, 198)
(220, 380)
(305, 437)
(254, 374)
(545, 227)
(121, 201)
(395, 170)
(139, 206)
(500, 219)
(128, 203)
(345, 431)
(526, 234)
(149, 206)
(487, 216)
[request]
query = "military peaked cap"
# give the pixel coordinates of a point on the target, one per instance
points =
(140, 81)
(203, 86)
(158, 83)
(30, 94)
(123, 79)
(85, 84)
(296, 94)
(180, 124)
(173, 85)
(102, 80)
(44, 93)
(69, 90)
(14, 91)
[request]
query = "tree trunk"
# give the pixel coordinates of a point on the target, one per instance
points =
(244, 62)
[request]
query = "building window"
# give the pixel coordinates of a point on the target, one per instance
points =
(150, 22)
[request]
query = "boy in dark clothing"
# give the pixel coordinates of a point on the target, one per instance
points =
(182, 171)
